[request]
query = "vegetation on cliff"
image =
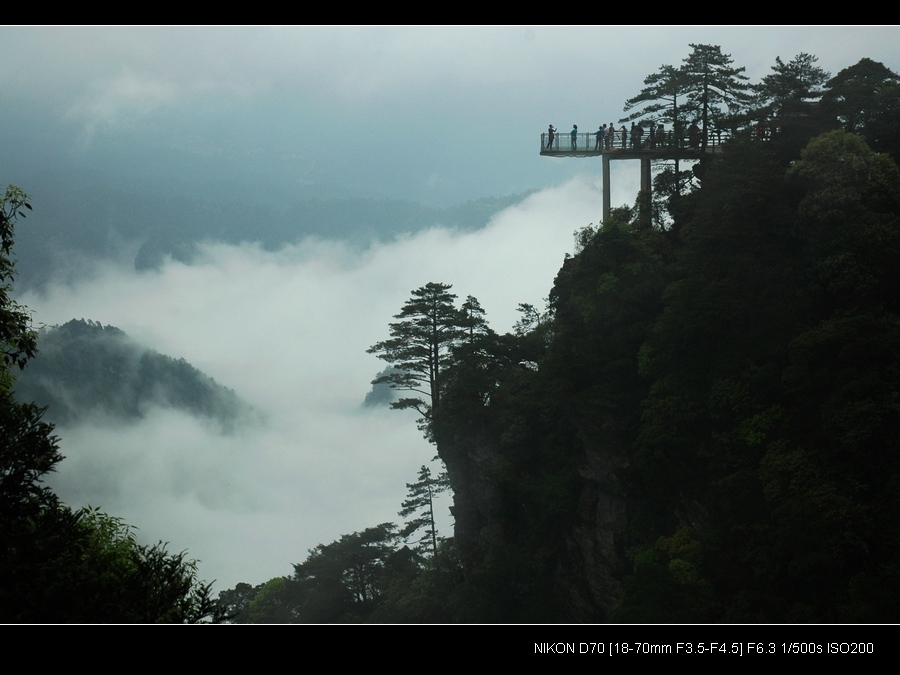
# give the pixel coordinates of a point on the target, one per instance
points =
(709, 433)
(59, 564)
(702, 424)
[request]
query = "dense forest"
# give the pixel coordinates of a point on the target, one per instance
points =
(86, 369)
(700, 426)
(60, 564)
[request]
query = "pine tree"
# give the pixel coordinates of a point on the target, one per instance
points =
(420, 501)
(420, 348)
(790, 83)
(713, 82)
(661, 100)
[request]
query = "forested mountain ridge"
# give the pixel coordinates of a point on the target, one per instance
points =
(711, 432)
(702, 426)
(84, 370)
(83, 221)
(59, 564)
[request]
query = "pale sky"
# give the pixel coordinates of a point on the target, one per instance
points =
(434, 114)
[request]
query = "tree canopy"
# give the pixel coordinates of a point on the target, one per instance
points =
(789, 84)
(18, 340)
(58, 564)
(662, 99)
(420, 505)
(429, 328)
(717, 89)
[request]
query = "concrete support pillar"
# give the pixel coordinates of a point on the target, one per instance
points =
(646, 193)
(606, 197)
(646, 184)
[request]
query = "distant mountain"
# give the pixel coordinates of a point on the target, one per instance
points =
(77, 221)
(84, 369)
(381, 394)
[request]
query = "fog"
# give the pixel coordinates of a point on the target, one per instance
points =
(288, 331)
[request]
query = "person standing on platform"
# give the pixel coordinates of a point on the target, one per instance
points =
(551, 134)
(600, 133)
(574, 135)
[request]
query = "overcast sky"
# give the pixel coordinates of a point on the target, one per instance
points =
(438, 115)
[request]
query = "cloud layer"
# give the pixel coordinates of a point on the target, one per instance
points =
(288, 331)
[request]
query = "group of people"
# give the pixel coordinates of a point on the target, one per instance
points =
(552, 136)
(605, 137)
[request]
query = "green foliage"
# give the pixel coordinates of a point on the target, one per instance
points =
(662, 98)
(235, 602)
(859, 94)
(790, 83)
(80, 566)
(60, 565)
(717, 89)
(420, 348)
(344, 581)
(774, 380)
(423, 342)
(707, 89)
(86, 369)
(419, 503)
(18, 340)
(731, 385)
(865, 99)
(28, 451)
(666, 584)
(271, 602)
(138, 584)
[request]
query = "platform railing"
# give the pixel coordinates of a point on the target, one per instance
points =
(582, 142)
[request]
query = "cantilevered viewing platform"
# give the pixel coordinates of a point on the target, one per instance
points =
(625, 145)
(665, 147)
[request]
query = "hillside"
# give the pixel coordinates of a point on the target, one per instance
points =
(702, 425)
(85, 370)
(710, 433)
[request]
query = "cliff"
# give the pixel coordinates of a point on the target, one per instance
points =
(703, 426)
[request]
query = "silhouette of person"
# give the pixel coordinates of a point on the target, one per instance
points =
(574, 135)
(551, 134)
(694, 135)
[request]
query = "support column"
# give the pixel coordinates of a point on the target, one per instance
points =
(646, 199)
(646, 184)
(606, 197)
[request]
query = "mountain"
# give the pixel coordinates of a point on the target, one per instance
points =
(85, 219)
(710, 433)
(84, 369)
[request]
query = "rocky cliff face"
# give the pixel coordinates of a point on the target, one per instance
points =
(540, 512)
(573, 559)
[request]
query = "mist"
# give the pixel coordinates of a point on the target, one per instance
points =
(288, 331)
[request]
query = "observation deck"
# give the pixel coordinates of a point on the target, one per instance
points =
(625, 145)
(617, 147)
